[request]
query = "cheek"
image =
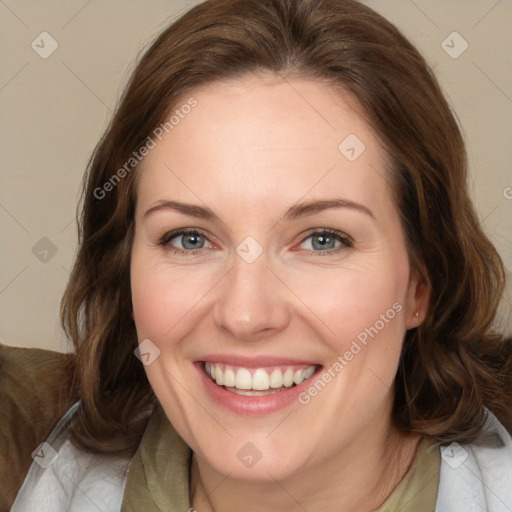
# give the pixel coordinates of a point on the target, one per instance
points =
(164, 298)
(363, 310)
(350, 301)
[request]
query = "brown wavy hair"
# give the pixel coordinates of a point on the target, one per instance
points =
(453, 365)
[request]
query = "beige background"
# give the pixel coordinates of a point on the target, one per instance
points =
(54, 110)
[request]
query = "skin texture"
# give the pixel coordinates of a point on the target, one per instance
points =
(249, 150)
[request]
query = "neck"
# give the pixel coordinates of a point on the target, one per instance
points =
(358, 477)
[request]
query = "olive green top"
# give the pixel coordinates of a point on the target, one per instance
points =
(158, 479)
(417, 492)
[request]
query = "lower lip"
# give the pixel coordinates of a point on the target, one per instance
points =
(251, 405)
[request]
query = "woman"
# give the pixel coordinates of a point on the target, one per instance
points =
(276, 224)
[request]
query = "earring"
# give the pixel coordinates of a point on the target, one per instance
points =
(417, 313)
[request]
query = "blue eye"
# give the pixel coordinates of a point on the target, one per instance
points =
(325, 242)
(193, 242)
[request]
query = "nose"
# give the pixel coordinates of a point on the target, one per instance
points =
(252, 303)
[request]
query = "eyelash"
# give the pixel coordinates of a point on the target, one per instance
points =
(346, 241)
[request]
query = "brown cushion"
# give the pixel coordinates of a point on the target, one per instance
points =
(35, 391)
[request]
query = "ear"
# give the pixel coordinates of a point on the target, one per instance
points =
(418, 299)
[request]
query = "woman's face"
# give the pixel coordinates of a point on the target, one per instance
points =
(294, 288)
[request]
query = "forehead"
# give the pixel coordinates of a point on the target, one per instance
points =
(266, 140)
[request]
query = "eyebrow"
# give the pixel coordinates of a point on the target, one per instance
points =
(299, 210)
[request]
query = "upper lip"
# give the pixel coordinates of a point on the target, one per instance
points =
(255, 361)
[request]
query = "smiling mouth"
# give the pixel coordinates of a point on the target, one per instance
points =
(258, 381)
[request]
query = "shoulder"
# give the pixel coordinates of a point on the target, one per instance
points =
(478, 475)
(35, 391)
(60, 469)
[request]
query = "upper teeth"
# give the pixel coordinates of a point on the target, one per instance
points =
(257, 378)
